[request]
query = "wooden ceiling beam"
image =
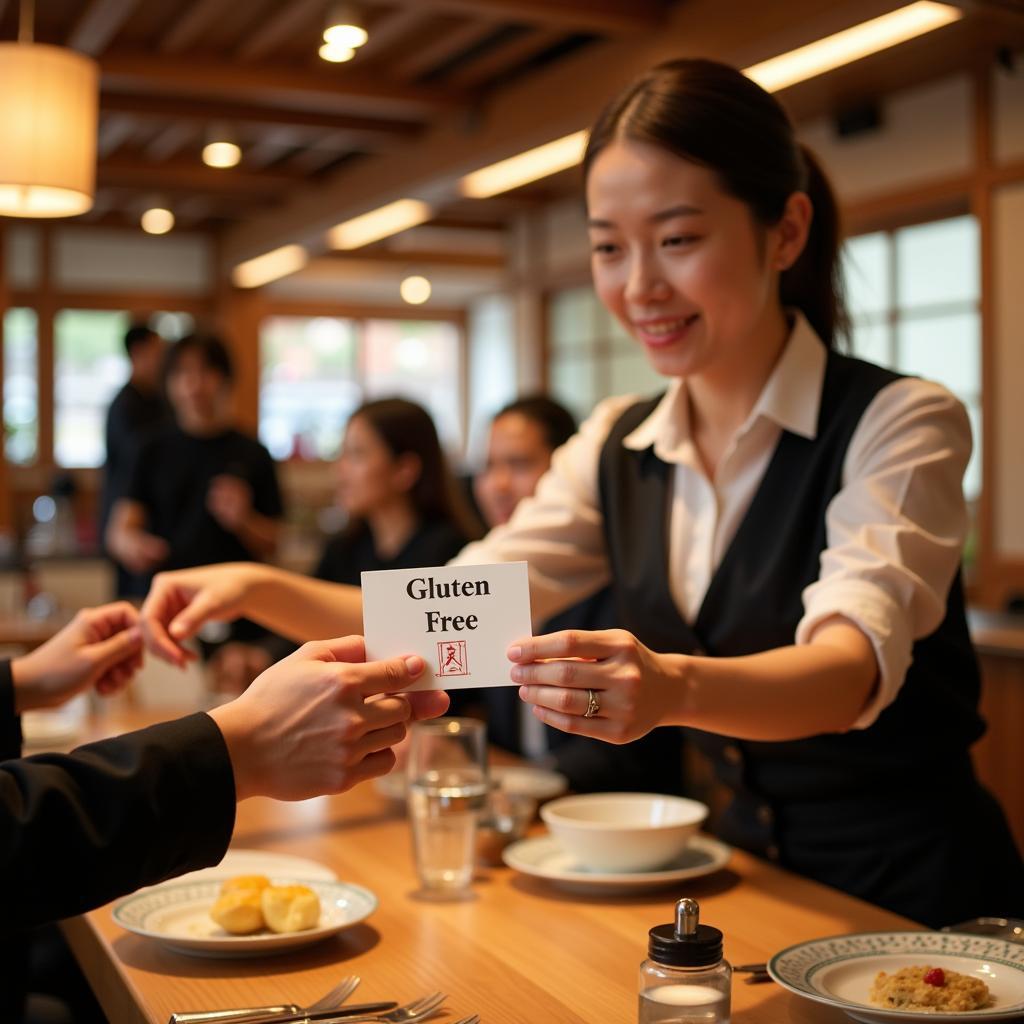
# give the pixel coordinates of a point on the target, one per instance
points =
(335, 90)
(114, 132)
(449, 43)
(390, 29)
(285, 22)
(192, 176)
(421, 258)
(504, 57)
(170, 140)
(192, 24)
(603, 16)
(99, 23)
(372, 131)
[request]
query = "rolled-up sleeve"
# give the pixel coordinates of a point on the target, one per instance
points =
(559, 532)
(895, 530)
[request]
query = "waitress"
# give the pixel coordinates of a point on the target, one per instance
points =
(782, 528)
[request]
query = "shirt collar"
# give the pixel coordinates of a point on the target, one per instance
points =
(790, 398)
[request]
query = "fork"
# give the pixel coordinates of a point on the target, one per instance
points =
(411, 1013)
(328, 1001)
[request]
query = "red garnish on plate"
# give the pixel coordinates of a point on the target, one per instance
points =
(936, 976)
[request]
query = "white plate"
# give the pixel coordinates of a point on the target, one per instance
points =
(840, 970)
(178, 915)
(524, 780)
(545, 857)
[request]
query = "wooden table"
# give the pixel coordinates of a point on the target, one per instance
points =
(518, 952)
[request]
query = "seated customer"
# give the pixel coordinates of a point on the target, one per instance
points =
(79, 829)
(403, 512)
(522, 438)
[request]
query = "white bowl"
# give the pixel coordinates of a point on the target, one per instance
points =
(624, 831)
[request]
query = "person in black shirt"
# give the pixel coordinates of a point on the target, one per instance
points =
(403, 510)
(200, 491)
(137, 409)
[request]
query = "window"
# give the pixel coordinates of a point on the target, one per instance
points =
(591, 356)
(914, 304)
(315, 371)
(90, 366)
(21, 387)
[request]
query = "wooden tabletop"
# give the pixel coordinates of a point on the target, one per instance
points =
(518, 952)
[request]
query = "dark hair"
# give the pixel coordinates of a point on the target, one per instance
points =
(407, 428)
(557, 423)
(136, 335)
(212, 352)
(713, 115)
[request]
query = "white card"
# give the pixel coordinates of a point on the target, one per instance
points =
(459, 619)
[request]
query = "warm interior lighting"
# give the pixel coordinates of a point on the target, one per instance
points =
(380, 223)
(415, 289)
(48, 115)
(536, 163)
(344, 27)
(851, 44)
(788, 68)
(270, 266)
(157, 220)
(221, 154)
(335, 53)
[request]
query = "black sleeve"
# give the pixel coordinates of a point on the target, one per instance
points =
(79, 829)
(142, 460)
(10, 723)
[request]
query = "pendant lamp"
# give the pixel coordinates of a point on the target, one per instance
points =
(48, 110)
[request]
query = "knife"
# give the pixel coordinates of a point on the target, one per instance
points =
(286, 1017)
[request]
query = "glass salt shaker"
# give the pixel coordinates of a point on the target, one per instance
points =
(685, 980)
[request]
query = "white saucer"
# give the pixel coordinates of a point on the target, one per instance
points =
(545, 857)
(840, 970)
(178, 916)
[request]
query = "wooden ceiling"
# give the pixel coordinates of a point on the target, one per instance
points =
(172, 69)
(438, 82)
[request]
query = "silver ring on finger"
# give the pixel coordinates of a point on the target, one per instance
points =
(593, 705)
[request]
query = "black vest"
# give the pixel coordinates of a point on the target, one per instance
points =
(753, 604)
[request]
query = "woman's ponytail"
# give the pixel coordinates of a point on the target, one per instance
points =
(813, 284)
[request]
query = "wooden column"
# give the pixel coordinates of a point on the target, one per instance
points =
(46, 309)
(527, 266)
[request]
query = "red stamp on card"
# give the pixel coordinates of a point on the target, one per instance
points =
(451, 658)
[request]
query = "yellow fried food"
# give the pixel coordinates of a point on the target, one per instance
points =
(929, 989)
(290, 908)
(238, 911)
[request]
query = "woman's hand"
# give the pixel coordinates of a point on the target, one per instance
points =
(180, 602)
(322, 720)
(100, 647)
(633, 688)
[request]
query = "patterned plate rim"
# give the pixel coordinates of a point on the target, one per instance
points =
(172, 888)
(807, 992)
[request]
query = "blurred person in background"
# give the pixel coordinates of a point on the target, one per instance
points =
(137, 409)
(403, 511)
(199, 490)
(522, 438)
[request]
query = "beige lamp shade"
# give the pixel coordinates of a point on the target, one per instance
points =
(48, 111)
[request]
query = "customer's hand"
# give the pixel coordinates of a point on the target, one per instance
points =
(179, 603)
(632, 690)
(322, 720)
(100, 647)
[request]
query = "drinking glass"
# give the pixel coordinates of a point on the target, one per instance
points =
(448, 785)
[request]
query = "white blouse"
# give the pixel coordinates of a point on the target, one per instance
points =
(895, 529)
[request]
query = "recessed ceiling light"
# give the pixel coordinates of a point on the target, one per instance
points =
(157, 220)
(415, 289)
